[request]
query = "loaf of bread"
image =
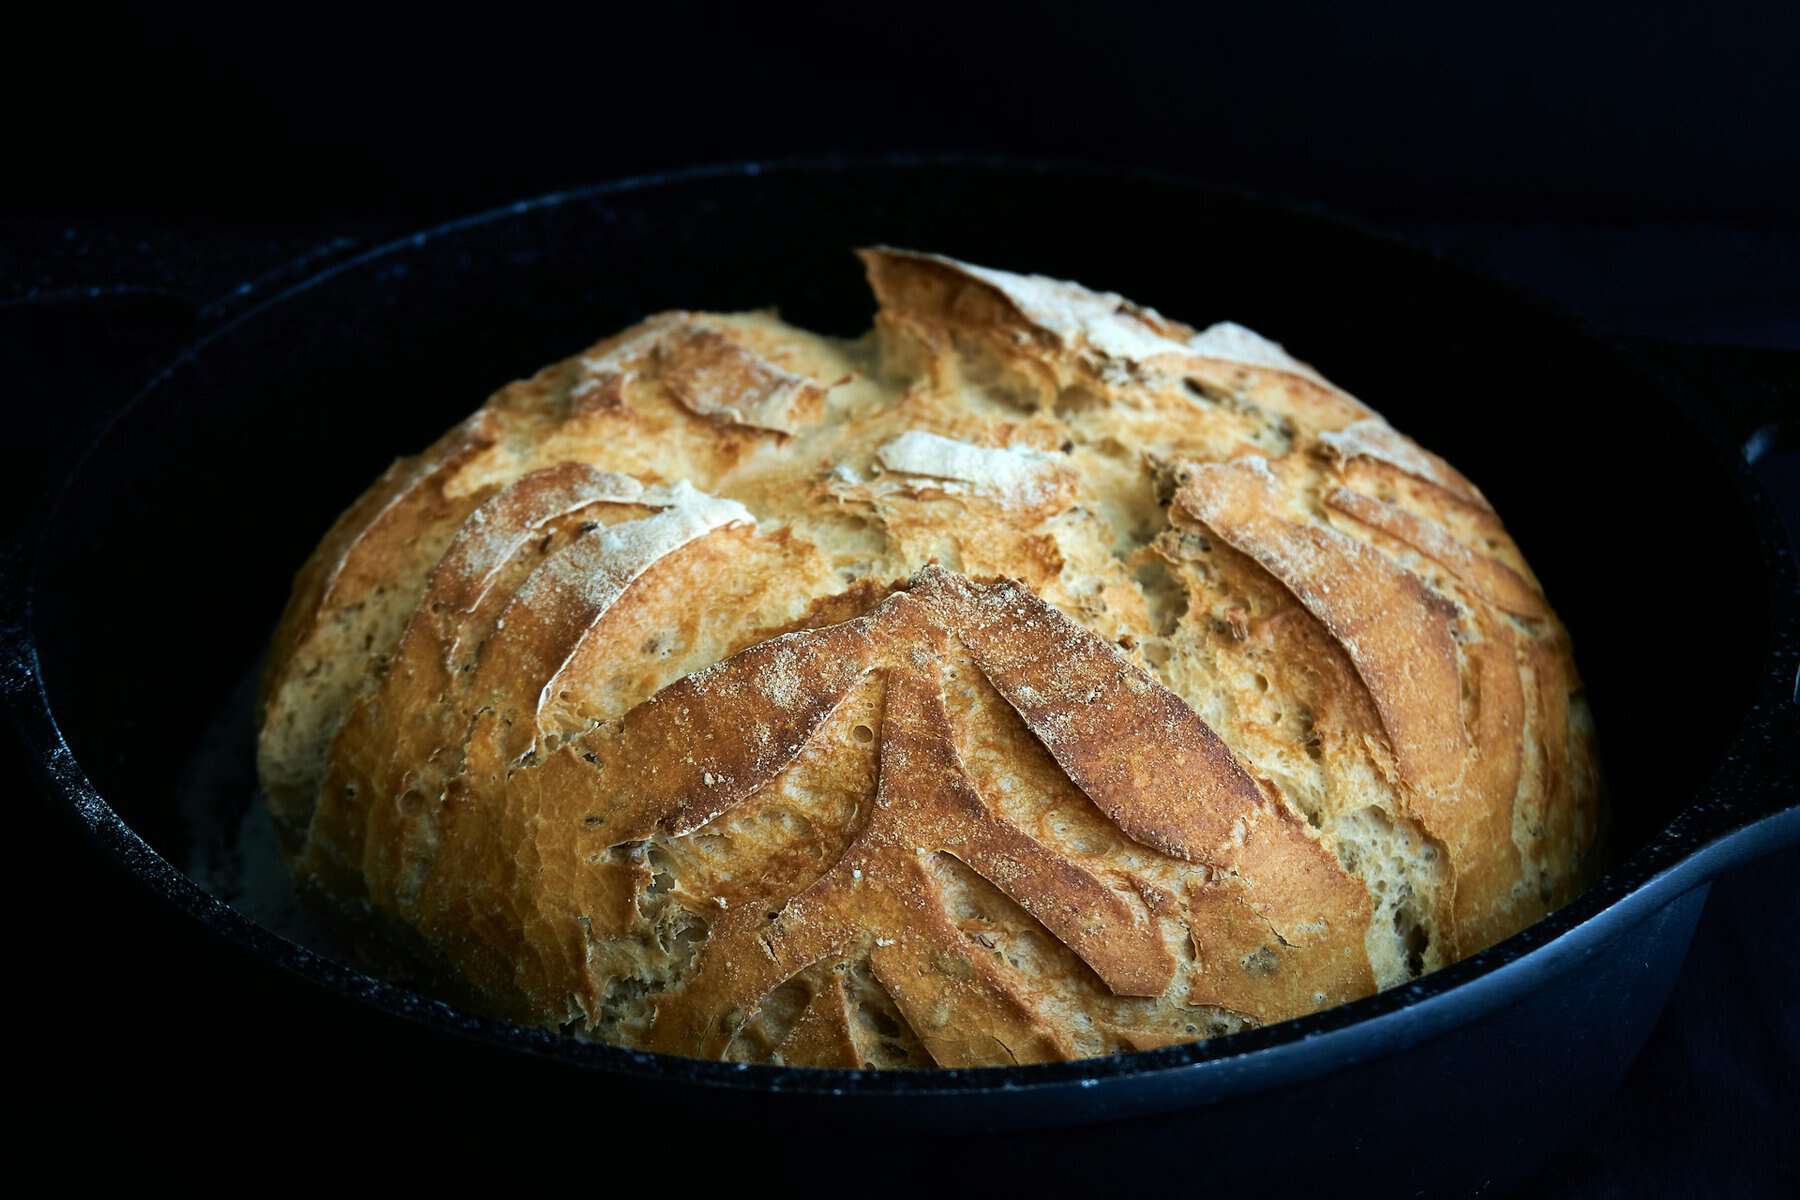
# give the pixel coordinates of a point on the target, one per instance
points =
(1033, 678)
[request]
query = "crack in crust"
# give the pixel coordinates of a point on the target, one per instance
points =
(716, 377)
(309, 677)
(925, 803)
(408, 720)
(1395, 629)
(1496, 582)
(1373, 439)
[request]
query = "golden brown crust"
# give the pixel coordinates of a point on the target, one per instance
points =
(1393, 627)
(1043, 678)
(1486, 857)
(822, 1037)
(392, 735)
(1496, 582)
(350, 558)
(1373, 439)
(716, 377)
(329, 612)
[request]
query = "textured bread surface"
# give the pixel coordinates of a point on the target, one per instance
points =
(1033, 678)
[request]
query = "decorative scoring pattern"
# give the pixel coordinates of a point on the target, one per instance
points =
(1183, 694)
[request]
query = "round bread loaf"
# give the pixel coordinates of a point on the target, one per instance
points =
(1032, 678)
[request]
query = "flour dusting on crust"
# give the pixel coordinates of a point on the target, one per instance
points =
(1373, 438)
(1102, 321)
(1232, 341)
(1012, 475)
(1122, 331)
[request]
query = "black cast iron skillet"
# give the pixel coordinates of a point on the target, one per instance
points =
(158, 574)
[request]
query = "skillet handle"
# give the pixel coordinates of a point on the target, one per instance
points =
(121, 308)
(76, 353)
(191, 286)
(123, 305)
(1753, 395)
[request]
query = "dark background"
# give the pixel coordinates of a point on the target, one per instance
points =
(1637, 162)
(1636, 165)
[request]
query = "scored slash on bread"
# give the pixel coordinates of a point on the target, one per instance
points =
(1040, 677)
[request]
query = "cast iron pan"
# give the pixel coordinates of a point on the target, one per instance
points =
(155, 580)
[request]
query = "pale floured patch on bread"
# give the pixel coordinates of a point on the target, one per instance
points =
(1012, 475)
